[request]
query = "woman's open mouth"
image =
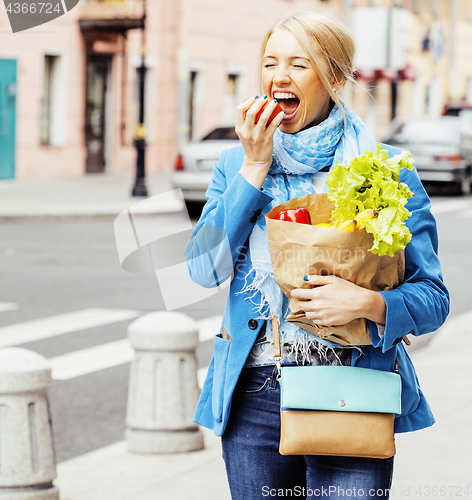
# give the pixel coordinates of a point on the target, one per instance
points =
(288, 102)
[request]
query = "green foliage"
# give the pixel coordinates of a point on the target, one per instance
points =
(372, 180)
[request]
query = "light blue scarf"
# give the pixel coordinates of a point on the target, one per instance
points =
(296, 158)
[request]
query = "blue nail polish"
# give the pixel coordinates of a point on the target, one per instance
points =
(305, 277)
(265, 97)
(284, 112)
(256, 96)
(275, 100)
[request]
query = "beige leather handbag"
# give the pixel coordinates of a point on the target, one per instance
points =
(336, 410)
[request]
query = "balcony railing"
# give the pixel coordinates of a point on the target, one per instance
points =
(111, 15)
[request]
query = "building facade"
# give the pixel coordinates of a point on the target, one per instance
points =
(69, 88)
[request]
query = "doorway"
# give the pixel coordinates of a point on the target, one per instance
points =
(98, 72)
(7, 117)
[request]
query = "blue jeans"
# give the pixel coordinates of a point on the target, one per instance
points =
(256, 470)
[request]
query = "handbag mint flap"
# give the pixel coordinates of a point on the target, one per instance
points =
(340, 388)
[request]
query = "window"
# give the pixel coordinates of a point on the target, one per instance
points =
(232, 98)
(53, 122)
(191, 101)
(232, 81)
(50, 67)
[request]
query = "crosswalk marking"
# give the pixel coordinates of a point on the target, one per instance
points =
(441, 207)
(209, 327)
(8, 306)
(77, 363)
(103, 356)
(201, 374)
(38, 329)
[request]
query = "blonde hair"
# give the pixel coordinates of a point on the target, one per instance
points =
(320, 35)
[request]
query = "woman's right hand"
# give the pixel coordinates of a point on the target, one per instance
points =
(256, 138)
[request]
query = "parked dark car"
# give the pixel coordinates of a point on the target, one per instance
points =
(461, 109)
(194, 165)
(441, 148)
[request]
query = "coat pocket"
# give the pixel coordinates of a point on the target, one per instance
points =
(220, 359)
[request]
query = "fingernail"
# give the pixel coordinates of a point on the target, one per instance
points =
(265, 97)
(284, 112)
(256, 96)
(275, 100)
(305, 277)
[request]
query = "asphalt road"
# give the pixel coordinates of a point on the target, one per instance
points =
(53, 267)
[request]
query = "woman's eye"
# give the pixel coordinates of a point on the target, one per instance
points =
(299, 66)
(269, 65)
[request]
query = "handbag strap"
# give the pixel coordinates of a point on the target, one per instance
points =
(277, 348)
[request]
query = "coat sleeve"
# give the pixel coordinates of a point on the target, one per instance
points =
(421, 304)
(232, 208)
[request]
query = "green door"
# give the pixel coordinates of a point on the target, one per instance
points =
(7, 117)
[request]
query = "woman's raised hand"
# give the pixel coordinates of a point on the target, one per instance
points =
(256, 138)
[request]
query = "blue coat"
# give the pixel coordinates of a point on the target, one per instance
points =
(419, 306)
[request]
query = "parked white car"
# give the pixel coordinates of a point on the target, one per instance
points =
(441, 148)
(194, 165)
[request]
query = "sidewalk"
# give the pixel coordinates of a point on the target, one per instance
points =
(432, 463)
(435, 462)
(90, 195)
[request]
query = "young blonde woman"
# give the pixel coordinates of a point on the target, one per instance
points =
(305, 59)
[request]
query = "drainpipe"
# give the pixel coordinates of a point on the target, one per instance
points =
(453, 52)
(182, 75)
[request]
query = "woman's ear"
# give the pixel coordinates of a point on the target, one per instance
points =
(337, 84)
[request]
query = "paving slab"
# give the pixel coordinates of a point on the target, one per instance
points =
(114, 473)
(90, 195)
(432, 463)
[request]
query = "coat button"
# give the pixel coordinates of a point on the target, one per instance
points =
(252, 324)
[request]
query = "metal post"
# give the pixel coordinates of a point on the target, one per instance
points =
(139, 188)
(394, 98)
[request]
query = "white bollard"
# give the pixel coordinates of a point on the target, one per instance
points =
(27, 455)
(163, 389)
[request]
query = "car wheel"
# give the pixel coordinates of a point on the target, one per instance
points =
(194, 208)
(465, 185)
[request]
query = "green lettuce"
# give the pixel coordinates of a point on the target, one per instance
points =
(372, 180)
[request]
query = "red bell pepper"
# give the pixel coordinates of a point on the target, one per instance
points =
(299, 214)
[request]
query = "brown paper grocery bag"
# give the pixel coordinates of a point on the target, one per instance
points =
(299, 249)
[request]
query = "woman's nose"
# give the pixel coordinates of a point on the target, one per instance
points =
(281, 76)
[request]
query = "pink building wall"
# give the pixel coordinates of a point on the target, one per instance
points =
(179, 33)
(211, 37)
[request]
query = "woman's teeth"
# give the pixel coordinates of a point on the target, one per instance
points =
(288, 101)
(284, 95)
